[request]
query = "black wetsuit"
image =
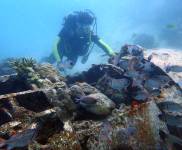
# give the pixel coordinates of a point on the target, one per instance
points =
(74, 47)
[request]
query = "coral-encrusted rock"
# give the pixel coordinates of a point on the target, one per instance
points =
(34, 75)
(49, 72)
(62, 102)
(97, 103)
(11, 84)
(87, 88)
(64, 141)
(76, 91)
(81, 89)
(91, 100)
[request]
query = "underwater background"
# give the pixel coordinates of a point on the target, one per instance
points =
(28, 28)
(131, 100)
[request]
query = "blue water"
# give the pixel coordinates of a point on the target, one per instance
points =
(29, 27)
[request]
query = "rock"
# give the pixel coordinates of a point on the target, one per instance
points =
(64, 141)
(35, 101)
(170, 140)
(11, 84)
(100, 105)
(133, 50)
(87, 89)
(48, 71)
(62, 102)
(76, 91)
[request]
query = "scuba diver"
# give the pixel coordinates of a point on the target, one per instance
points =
(77, 38)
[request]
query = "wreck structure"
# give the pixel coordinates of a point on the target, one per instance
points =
(128, 103)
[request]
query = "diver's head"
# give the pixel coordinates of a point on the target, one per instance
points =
(79, 23)
(82, 30)
(85, 17)
(84, 23)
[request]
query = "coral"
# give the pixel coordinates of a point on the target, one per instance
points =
(25, 69)
(46, 70)
(21, 64)
(36, 75)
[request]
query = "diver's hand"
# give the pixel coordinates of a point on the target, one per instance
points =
(60, 66)
(65, 65)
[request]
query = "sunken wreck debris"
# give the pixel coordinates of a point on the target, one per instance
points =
(169, 60)
(129, 103)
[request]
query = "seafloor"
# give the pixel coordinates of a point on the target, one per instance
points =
(132, 102)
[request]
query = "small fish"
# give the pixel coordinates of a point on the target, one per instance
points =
(171, 26)
(86, 100)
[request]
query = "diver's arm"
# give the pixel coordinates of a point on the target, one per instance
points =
(103, 45)
(57, 54)
(55, 51)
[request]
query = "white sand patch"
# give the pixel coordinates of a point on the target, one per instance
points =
(165, 58)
